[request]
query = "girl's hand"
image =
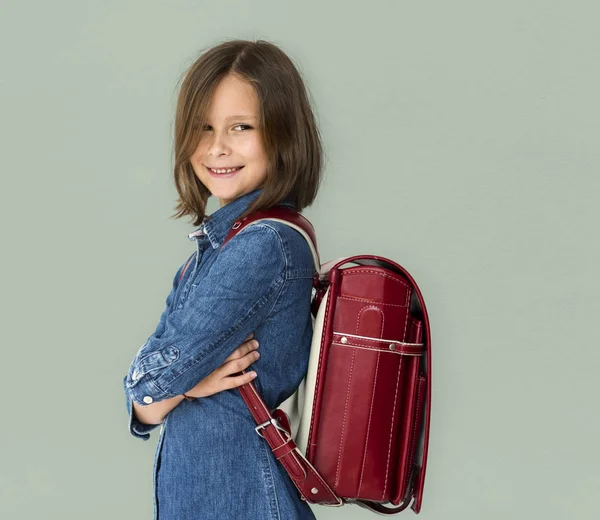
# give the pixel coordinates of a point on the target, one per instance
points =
(221, 379)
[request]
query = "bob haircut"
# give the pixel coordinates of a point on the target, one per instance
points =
(286, 125)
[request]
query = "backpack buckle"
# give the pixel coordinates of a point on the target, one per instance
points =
(275, 423)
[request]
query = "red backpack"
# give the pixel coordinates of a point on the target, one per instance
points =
(357, 429)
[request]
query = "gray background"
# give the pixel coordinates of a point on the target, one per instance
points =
(462, 141)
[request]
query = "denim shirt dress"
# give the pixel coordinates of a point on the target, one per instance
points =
(209, 462)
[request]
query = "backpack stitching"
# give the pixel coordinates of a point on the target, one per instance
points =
(378, 273)
(337, 473)
(373, 394)
(312, 423)
(368, 429)
(369, 301)
(387, 469)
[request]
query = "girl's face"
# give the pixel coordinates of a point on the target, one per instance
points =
(229, 140)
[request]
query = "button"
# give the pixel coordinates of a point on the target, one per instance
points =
(147, 399)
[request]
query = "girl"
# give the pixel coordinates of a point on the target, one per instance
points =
(244, 133)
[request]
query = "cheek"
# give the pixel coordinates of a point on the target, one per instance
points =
(256, 151)
(198, 155)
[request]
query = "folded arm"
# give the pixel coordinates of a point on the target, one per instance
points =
(222, 309)
(229, 375)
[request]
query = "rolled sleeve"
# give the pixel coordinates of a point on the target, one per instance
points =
(223, 308)
(136, 428)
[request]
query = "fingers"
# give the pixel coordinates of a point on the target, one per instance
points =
(235, 381)
(243, 349)
(238, 364)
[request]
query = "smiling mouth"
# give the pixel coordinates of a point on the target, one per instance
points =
(224, 171)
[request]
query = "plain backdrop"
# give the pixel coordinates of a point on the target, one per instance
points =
(462, 140)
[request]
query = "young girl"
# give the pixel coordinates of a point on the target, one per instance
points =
(244, 133)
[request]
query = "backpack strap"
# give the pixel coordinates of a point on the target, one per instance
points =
(282, 214)
(305, 477)
(289, 217)
(186, 266)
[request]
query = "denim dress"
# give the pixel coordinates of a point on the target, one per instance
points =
(209, 462)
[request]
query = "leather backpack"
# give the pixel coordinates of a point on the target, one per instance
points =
(357, 429)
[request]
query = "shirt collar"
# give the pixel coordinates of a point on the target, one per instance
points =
(217, 225)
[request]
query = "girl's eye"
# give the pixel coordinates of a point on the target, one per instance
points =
(208, 128)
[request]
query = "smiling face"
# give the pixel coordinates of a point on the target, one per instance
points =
(231, 139)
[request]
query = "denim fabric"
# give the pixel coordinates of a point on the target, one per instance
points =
(209, 462)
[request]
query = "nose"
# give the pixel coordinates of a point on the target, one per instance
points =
(218, 145)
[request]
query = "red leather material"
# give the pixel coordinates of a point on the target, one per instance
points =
(420, 480)
(284, 449)
(283, 419)
(425, 368)
(320, 289)
(369, 429)
(325, 344)
(420, 399)
(186, 266)
(408, 433)
(307, 480)
(378, 345)
(410, 414)
(276, 212)
(367, 399)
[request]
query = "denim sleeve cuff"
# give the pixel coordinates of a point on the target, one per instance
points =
(136, 428)
(142, 387)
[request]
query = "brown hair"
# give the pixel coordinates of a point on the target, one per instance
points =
(287, 125)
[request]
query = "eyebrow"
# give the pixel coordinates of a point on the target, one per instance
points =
(241, 117)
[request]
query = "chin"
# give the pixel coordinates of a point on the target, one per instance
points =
(227, 195)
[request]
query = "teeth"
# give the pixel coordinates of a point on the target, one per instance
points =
(224, 170)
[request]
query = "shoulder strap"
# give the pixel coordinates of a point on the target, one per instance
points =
(305, 477)
(186, 266)
(288, 216)
(279, 213)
